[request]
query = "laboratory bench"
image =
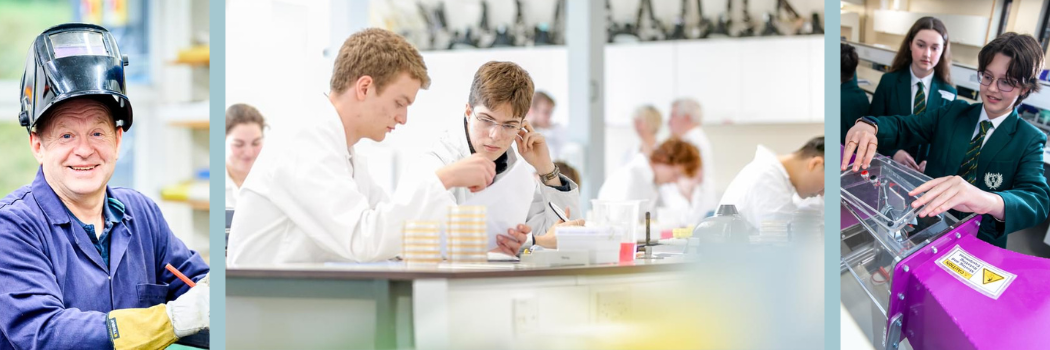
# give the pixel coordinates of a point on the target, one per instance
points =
(435, 306)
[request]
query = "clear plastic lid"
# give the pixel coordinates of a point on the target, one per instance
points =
(878, 197)
(881, 192)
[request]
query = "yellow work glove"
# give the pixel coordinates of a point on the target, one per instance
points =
(140, 328)
(161, 325)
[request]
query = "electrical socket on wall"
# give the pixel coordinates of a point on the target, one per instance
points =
(525, 316)
(611, 306)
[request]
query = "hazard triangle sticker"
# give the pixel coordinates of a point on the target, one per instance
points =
(990, 276)
(983, 277)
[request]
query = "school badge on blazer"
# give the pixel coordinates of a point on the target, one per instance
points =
(993, 180)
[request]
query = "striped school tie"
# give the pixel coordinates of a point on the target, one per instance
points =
(968, 169)
(919, 104)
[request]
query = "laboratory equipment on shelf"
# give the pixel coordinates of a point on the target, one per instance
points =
(930, 280)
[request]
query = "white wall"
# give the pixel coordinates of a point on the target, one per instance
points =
(274, 55)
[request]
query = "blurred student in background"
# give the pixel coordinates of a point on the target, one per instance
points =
(244, 140)
(854, 100)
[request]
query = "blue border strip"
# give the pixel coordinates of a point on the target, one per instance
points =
(832, 159)
(217, 161)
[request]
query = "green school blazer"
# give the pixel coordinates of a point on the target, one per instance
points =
(1010, 164)
(854, 105)
(893, 97)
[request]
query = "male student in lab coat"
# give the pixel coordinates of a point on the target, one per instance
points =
(309, 196)
(493, 120)
(768, 184)
(699, 190)
(82, 264)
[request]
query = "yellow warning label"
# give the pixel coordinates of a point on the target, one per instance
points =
(959, 270)
(983, 277)
(990, 276)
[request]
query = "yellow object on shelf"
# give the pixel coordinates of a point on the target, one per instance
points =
(181, 192)
(178, 192)
(192, 124)
(197, 55)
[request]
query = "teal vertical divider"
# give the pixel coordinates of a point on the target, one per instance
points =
(217, 161)
(832, 159)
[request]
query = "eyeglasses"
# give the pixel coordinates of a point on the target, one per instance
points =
(1004, 84)
(508, 129)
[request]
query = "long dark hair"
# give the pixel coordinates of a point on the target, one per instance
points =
(943, 69)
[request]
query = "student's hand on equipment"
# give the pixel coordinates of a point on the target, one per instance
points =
(954, 192)
(860, 138)
(533, 147)
(511, 243)
(475, 173)
(905, 159)
(190, 312)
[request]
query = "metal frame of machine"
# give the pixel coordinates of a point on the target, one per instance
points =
(903, 264)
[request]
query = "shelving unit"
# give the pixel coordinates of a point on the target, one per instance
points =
(194, 204)
(192, 124)
(179, 121)
(195, 56)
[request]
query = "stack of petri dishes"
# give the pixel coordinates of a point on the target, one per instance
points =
(422, 242)
(467, 240)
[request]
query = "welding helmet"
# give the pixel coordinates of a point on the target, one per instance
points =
(74, 60)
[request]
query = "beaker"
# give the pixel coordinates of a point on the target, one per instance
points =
(623, 217)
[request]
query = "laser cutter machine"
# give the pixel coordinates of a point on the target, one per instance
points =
(930, 283)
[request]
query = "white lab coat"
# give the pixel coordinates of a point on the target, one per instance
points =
(635, 181)
(231, 191)
(309, 198)
(628, 155)
(704, 198)
(452, 146)
(762, 189)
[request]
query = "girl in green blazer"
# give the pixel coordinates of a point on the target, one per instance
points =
(923, 60)
(983, 158)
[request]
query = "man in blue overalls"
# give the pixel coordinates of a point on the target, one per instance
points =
(82, 264)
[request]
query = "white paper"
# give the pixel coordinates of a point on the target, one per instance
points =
(507, 200)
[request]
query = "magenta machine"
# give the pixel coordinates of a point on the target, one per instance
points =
(930, 283)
